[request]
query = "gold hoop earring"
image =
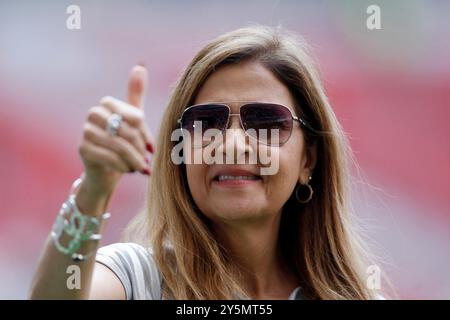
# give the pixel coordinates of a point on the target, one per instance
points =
(307, 190)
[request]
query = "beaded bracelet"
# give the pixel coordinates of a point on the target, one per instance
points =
(78, 226)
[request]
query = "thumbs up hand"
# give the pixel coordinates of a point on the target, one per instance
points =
(116, 138)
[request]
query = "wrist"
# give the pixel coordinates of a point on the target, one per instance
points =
(75, 225)
(92, 200)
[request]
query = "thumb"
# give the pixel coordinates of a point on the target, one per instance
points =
(137, 84)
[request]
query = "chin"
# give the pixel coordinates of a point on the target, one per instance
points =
(235, 213)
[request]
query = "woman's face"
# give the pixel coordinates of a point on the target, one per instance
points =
(225, 199)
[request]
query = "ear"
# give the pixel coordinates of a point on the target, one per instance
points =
(308, 163)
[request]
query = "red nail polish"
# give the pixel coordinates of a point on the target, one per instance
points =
(146, 171)
(146, 160)
(149, 147)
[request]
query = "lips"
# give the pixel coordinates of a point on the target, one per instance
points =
(225, 177)
(236, 174)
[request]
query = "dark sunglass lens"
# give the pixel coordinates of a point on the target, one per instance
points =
(264, 120)
(208, 116)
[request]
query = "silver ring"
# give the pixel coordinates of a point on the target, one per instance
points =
(113, 124)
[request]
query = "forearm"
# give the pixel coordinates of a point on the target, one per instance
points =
(51, 280)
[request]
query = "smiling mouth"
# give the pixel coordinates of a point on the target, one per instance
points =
(237, 181)
(236, 176)
(228, 177)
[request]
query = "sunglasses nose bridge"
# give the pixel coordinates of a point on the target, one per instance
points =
(235, 122)
(237, 129)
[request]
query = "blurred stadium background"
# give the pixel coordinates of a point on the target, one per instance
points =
(390, 88)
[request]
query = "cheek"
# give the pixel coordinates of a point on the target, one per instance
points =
(195, 174)
(290, 156)
(288, 166)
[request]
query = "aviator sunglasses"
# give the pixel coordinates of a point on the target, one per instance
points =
(257, 119)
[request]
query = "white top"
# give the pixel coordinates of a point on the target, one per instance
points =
(136, 269)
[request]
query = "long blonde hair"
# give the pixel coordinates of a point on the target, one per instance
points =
(316, 238)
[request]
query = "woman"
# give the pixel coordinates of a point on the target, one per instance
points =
(218, 230)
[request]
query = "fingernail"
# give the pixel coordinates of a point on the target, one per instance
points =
(149, 147)
(146, 171)
(146, 160)
(142, 64)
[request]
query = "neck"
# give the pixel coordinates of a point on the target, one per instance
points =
(253, 247)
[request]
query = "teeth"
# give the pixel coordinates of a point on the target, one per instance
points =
(221, 178)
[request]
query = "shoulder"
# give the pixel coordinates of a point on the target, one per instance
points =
(135, 267)
(127, 250)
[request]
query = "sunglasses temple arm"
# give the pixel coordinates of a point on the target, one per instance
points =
(303, 123)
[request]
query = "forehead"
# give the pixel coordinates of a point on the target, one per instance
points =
(235, 84)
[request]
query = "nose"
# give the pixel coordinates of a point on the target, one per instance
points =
(235, 121)
(235, 145)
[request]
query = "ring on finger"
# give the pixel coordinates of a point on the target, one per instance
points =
(113, 124)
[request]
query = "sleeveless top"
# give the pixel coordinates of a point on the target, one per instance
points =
(137, 271)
